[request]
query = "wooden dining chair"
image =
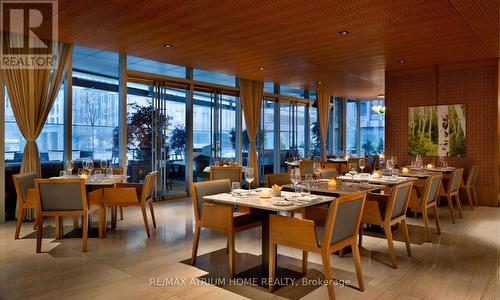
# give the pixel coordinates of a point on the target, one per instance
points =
(453, 191)
(59, 198)
(130, 194)
(327, 173)
(306, 167)
(470, 187)
(386, 211)
(27, 197)
(234, 174)
(278, 179)
(340, 231)
(218, 217)
(428, 199)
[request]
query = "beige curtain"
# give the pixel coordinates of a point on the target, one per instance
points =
(32, 93)
(251, 93)
(323, 102)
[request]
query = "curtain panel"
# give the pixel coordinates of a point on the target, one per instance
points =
(251, 94)
(323, 102)
(32, 92)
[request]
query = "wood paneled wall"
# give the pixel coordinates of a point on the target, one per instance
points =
(476, 84)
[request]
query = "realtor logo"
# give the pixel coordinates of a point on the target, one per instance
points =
(28, 26)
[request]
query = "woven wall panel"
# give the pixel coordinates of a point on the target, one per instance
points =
(474, 84)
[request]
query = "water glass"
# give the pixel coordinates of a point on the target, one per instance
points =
(69, 167)
(306, 189)
(104, 164)
(235, 186)
(109, 172)
(62, 173)
(98, 173)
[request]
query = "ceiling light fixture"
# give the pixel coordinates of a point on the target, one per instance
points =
(319, 82)
(402, 61)
(168, 45)
(344, 32)
(262, 68)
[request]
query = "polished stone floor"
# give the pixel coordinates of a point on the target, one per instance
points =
(461, 263)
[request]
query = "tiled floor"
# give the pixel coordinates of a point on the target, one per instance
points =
(462, 263)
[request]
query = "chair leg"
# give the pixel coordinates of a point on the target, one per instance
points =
(145, 217)
(121, 213)
(272, 265)
(196, 240)
(406, 236)
(20, 217)
(427, 225)
(113, 217)
(450, 207)
(230, 238)
(469, 197)
(357, 264)
(39, 234)
(152, 213)
(390, 243)
(85, 230)
(328, 274)
(304, 262)
(102, 222)
(436, 219)
(34, 224)
(457, 199)
(59, 226)
(474, 192)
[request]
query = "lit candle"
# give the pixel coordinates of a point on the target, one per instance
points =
(430, 166)
(265, 194)
(406, 170)
(332, 183)
(84, 176)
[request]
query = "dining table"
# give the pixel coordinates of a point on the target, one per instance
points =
(321, 187)
(388, 181)
(286, 203)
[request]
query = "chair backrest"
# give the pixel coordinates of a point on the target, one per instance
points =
(234, 174)
(278, 179)
(327, 173)
(117, 171)
(207, 188)
(431, 188)
(22, 183)
(455, 179)
(62, 194)
(472, 177)
(344, 217)
(149, 186)
(306, 167)
(398, 200)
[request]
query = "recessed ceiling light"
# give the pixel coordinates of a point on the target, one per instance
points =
(402, 61)
(168, 45)
(262, 68)
(344, 32)
(319, 82)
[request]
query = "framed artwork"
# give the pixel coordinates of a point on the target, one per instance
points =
(437, 130)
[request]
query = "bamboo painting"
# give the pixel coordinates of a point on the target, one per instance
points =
(436, 130)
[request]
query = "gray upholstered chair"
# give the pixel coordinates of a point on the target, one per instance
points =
(67, 197)
(218, 217)
(327, 173)
(427, 200)
(386, 211)
(26, 197)
(341, 230)
(452, 191)
(278, 179)
(132, 194)
(234, 174)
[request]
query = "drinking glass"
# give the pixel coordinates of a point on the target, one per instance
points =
(85, 163)
(62, 173)
(109, 172)
(104, 164)
(235, 186)
(69, 167)
(418, 161)
(317, 169)
(295, 178)
(353, 169)
(390, 166)
(249, 176)
(362, 164)
(90, 166)
(306, 188)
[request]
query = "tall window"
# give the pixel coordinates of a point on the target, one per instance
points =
(51, 140)
(336, 121)
(352, 128)
(372, 128)
(266, 139)
(292, 132)
(155, 67)
(213, 77)
(315, 136)
(95, 104)
(291, 91)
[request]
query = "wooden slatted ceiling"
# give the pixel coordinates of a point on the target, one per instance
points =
(296, 41)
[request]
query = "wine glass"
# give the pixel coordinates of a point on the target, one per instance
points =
(362, 164)
(295, 178)
(235, 186)
(390, 166)
(104, 164)
(249, 176)
(85, 163)
(353, 169)
(69, 167)
(90, 166)
(317, 169)
(418, 161)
